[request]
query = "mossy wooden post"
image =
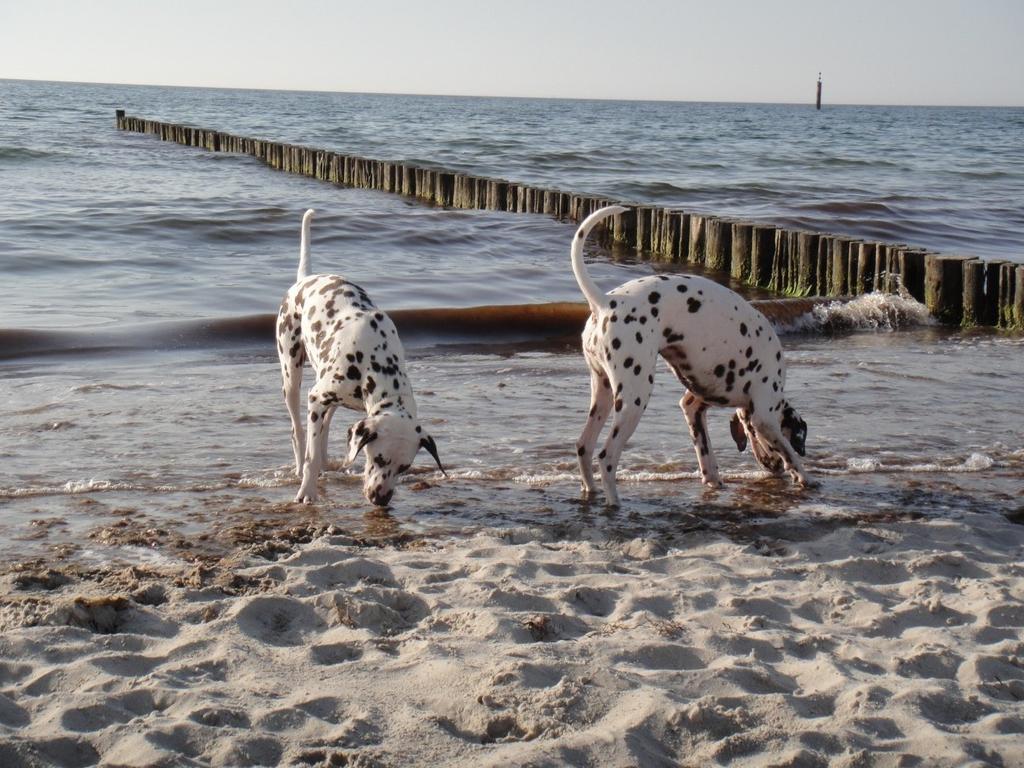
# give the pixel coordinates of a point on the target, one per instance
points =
(623, 227)
(944, 287)
(1018, 299)
(973, 293)
(804, 278)
(910, 262)
(717, 244)
(670, 233)
(762, 255)
(824, 279)
(741, 251)
(779, 279)
(642, 238)
(1007, 286)
(840, 256)
(990, 312)
(695, 253)
(865, 268)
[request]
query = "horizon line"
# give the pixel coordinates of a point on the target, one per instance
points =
(810, 102)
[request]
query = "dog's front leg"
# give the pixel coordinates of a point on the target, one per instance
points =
(695, 410)
(600, 406)
(316, 427)
(292, 390)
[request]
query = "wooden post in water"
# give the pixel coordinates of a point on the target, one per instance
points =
(818, 104)
(944, 287)
(1018, 299)
(741, 252)
(1006, 292)
(973, 293)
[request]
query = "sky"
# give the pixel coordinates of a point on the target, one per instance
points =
(946, 52)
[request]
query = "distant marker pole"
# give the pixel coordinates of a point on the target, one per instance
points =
(819, 91)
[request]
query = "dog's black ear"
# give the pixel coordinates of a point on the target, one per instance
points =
(428, 442)
(795, 429)
(360, 435)
(739, 435)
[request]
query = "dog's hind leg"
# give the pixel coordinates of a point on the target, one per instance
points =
(629, 405)
(291, 378)
(600, 406)
(695, 411)
(323, 448)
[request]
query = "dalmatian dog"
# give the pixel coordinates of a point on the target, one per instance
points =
(359, 363)
(722, 350)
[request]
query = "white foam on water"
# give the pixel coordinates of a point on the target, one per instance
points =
(976, 462)
(867, 312)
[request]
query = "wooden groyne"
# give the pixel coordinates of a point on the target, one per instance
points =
(958, 290)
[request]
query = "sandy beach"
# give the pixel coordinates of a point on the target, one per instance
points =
(802, 640)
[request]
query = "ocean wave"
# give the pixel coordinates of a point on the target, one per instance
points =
(868, 312)
(446, 325)
(11, 155)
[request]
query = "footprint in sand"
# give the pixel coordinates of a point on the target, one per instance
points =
(277, 620)
(335, 653)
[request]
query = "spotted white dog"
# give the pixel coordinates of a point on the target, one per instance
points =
(359, 363)
(719, 347)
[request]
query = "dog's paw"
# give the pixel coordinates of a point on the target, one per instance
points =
(305, 497)
(712, 483)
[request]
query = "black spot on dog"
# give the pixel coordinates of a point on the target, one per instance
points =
(682, 288)
(580, 451)
(653, 297)
(618, 404)
(693, 304)
(613, 304)
(639, 338)
(354, 373)
(719, 370)
(636, 370)
(616, 343)
(602, 454)
(743, 329)
(628, 362)
(637, 401)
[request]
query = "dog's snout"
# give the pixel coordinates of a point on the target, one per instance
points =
(380, 497)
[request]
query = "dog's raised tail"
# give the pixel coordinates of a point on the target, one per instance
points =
(593, 294)
(304, 246)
